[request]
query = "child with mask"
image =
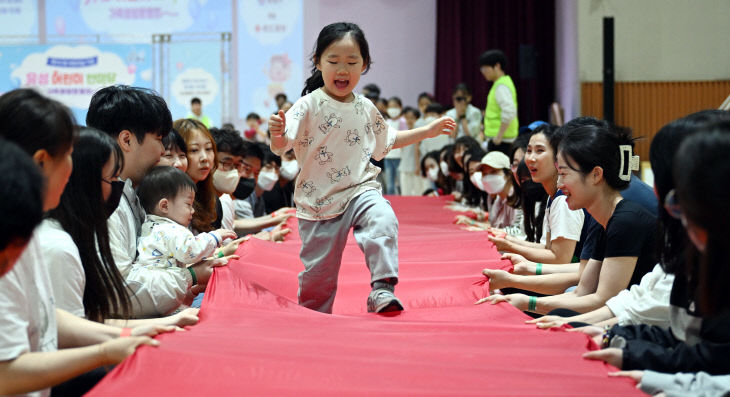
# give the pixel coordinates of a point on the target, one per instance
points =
(167, 195)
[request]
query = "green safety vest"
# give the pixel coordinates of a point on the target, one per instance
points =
(493, 113)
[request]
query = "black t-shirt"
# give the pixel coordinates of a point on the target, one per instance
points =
(629, 232)
(218, 222)
(638, 192)
(279, 197)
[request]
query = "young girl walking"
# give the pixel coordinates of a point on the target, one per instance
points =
(334, 133)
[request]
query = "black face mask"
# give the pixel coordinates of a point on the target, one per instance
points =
(245, 188)
(113, 201)
(533, 191)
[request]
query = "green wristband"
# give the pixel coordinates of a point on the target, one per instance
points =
(538, 269)
(192, 273)
(220, 254)
(532, 304)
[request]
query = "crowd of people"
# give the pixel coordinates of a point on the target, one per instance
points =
(112, 231)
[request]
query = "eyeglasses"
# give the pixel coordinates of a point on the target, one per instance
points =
(229, 165)
(248, 168)
(460, 99)
(671, 204)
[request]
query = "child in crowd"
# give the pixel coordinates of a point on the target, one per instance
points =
(254, 132)
(334, 133)
(433, 112)
(167, 195)
(409, 175)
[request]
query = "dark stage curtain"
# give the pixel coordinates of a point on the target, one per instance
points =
(523, 29)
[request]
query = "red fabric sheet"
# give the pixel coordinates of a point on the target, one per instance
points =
(253, 338)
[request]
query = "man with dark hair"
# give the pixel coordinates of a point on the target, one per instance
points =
(196, 112)
(21, 202)
(138, 119)
(250, 210)
(228, 174)
(500, 116)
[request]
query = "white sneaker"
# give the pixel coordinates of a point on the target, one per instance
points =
(383, 300)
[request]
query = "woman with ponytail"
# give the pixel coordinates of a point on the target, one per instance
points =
(698, 338)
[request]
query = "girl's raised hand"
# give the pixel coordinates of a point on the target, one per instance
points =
(444, 125)
(277, 122)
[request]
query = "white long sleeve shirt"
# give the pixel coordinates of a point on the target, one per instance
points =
(151, 289)
(645, 303)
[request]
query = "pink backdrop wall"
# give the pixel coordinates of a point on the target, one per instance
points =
(401, 35)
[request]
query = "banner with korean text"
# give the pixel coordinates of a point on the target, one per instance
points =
(72, 73)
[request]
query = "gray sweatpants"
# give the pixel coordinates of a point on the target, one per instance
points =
(376, 232)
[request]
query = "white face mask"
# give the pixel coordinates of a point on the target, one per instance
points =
(444, 168)
(493, 183)
(267, 179)
(394, 112)
(226, 181)
(289, 169)
(432, 174)
(476, 180)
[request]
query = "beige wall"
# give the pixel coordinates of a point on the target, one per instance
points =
(657, 40)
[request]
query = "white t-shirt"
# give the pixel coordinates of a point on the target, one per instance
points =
(64, 267)
(474, 121)
(435, 143)
(229, 211)
(333, 142)
(561, 221)
(400, 125)
(27, 310)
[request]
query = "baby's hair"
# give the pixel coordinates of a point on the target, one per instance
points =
(174, 139)
(162, 182)
(329, 34)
